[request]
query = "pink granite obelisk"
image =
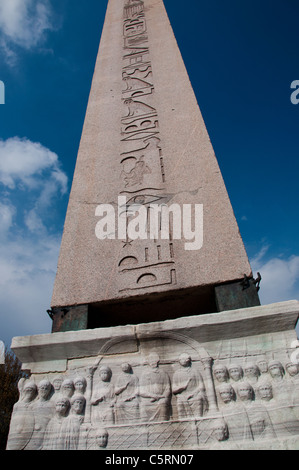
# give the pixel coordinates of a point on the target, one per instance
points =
(144, 141)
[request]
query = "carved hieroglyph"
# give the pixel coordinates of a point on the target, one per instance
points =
(143, 172)
(172, 385)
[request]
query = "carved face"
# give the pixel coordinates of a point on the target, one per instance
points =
(265, 392)
(245, 392)
(67, 388)
(251, 371)
(102, 438)
(29, 393)
(263, 366)
(79, 385)
(226, 394)
(44, 389)
(292, 369)
(235, 373)
(57, 384)
(221, 374)
(185, 360)
(125, 367)
(276, 370)
(220, 432)
(105, 374)
(62, 407)
(78, 405)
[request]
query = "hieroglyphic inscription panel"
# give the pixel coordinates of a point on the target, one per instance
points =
(146, 263)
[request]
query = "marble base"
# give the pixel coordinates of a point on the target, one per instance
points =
(227, 380)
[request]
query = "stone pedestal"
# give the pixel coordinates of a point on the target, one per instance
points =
(216, 381)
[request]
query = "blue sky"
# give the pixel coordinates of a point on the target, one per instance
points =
(241, 58)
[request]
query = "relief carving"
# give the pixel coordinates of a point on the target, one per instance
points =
(155, 392)
(126, 391)
(135, 175)
(43, 409)
(189, 389)
(22, 421)
(56, 435)
(103, 398)
(137, 108)
(148, 406)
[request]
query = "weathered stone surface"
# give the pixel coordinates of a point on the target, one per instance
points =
(225, 380)
(2, 352)
(144, 137)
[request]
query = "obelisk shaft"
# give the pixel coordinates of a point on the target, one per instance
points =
(144, 139)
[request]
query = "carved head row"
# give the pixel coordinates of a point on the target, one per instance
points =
(251, 371)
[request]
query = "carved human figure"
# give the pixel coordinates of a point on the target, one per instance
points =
(279, 387)
(73, 422)
(102, 438)
(22, 421)
(189, 389)
(44, 391)
(234, 414)
(283, 414)
(262, 364)
(56, 431)
(276, 370)
(292, 369)
(292, 384)
(227, 395)
(43, 409)
(251, 373)
(67, 388)
(221, 376)
(126, 391)
(265, 392)
(259, 418)
(219, 434)
(80, 385)
(235, 372)
(103, 398)
(221, 373)
(97, 439)
(155, 392)
(57, 383)
(245, 392)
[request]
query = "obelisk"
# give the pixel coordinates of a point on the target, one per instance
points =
(159, 341)
(145, 141)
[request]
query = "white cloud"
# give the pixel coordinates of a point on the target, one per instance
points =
(32, 183)
(280, 277)
(22, 160)
(24, 23)
(7, 213)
